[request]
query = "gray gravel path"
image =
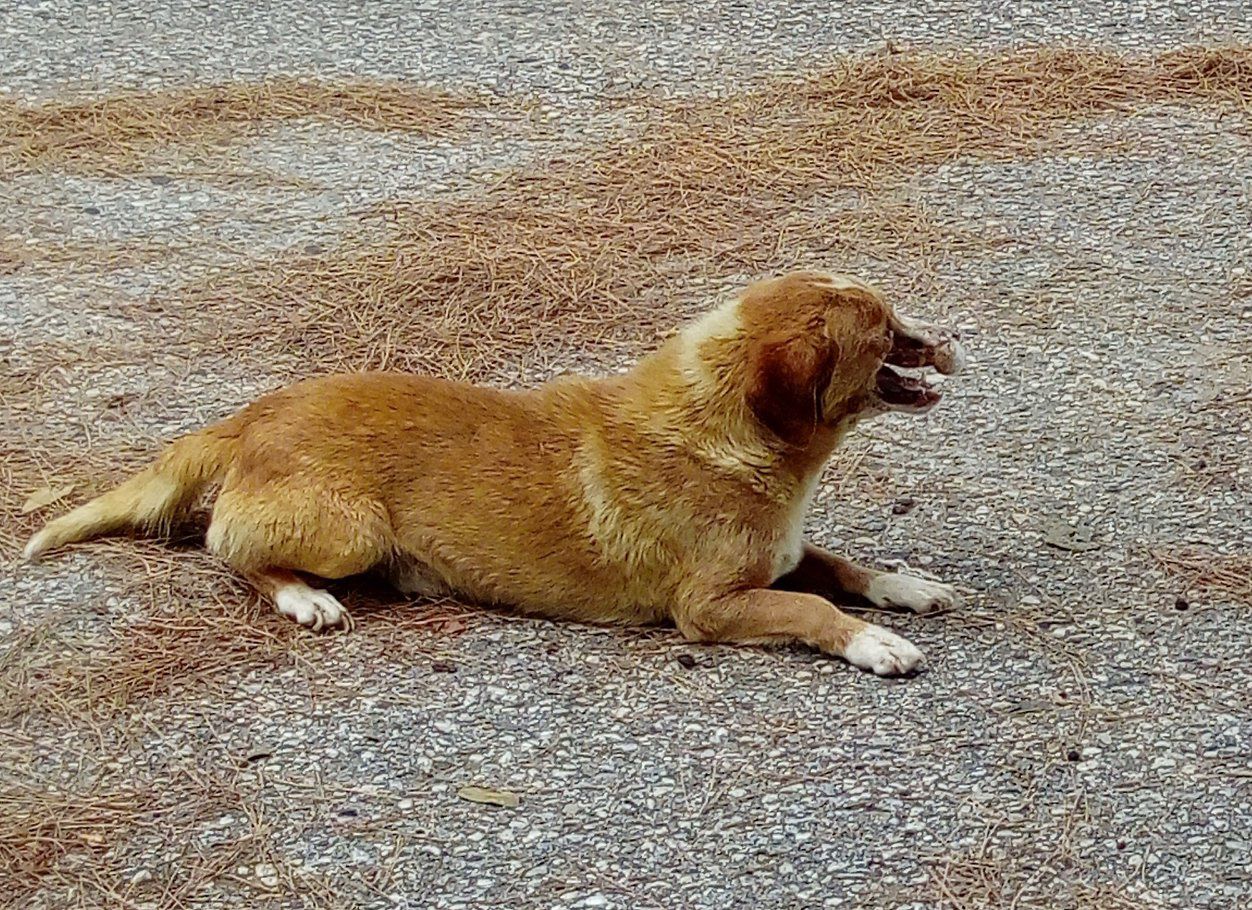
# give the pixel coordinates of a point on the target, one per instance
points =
(573, 50)
(1079, 741)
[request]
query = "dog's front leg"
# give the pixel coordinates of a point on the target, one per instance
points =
(822, 572)
(761, 615)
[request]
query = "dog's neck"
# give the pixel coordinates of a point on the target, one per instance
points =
(673, 392)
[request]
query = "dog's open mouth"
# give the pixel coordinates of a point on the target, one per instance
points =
(916, 345)
(905, 393)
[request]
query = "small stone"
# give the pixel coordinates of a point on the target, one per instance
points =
(443, 666)
(267, 875)
(686, 661)
(1181, 603)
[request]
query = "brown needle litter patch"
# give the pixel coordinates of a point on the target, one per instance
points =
(190, 834)
(604, 248)
(598, 253)
(1200, 570)
(115, 134)
(151, 655)
(40, 827)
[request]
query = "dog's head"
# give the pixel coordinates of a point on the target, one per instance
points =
(816, 350)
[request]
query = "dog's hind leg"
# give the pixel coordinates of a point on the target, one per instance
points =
(307, 605)
(268, 532)
(828, 575)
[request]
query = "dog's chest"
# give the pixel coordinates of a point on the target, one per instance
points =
(788, 545)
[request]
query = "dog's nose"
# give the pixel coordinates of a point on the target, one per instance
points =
(949, 357)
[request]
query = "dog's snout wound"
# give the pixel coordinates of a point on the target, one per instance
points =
(949, 357)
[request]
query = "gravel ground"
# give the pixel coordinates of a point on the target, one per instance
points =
(1079, 740)
(572, 51)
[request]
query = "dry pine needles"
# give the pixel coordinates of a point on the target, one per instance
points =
(600, 251)
(597, 247)
(114, 134)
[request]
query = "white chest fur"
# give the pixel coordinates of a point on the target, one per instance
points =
(790, 542)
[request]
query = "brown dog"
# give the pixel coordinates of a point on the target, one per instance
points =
(675, 491)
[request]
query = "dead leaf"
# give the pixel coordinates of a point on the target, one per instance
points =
(45, 497)
(489, 796)
(1077, 538)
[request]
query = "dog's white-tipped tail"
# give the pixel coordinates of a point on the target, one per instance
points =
(150, 499)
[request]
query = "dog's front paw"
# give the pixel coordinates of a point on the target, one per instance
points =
(883, 652)
(893, 589)
(313, 608)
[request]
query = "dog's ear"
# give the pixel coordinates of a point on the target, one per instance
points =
(787, 381)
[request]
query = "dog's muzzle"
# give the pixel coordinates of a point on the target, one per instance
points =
(917, 345)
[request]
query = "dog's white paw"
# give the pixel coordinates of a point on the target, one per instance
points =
(310, 607)
(892, 589)
(883, 652)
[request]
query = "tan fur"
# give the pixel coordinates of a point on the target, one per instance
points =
(674, 492)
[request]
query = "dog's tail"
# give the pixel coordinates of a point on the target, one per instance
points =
(151, 499)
